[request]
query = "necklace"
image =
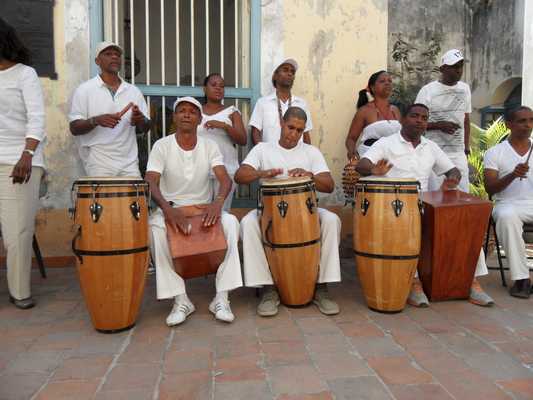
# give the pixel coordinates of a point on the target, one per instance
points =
(385, 115)
(280, 114)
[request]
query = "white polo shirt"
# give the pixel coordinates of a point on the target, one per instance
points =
(185, 173)
(408, 161)
(265, 116)
(105, 148)
(503, 158)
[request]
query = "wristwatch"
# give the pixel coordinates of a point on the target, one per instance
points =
(30, 152)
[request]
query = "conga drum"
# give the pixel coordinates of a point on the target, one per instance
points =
(386, 240)
(290, 229)
(201, 252)
(111, 248)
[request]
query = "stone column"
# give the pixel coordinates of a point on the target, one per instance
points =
(527, 67)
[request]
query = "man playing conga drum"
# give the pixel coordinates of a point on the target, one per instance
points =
(178, 173)
(289, 157)
(408, 154)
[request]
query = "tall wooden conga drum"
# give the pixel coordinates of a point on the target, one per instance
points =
(386, 240)
(111, 248)
(202, 251)
(291, 236)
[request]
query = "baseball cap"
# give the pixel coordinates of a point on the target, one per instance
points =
(187, 99)
(104, 45)
(451, 57)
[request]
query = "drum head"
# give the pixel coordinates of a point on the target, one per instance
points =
(378, 180)
(287, 181)
(109, 181)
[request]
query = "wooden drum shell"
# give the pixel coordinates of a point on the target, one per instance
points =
(201, 252)
(386, 245)
(112, 253)
(291, 242)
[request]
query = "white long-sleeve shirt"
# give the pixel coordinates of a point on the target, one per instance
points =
(21, 114)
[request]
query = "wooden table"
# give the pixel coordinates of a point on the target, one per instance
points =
(453, 227)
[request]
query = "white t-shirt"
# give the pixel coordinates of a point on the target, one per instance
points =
(408, 161)
(115, 149)
(503, 158)
(447, 103)
(21, 114)
(265, 116)
(185, 173)
(221, 137)
(271, 155)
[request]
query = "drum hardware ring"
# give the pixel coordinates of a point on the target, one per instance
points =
(95, 208)
(397, 205)
(135, 207)
(282, 208)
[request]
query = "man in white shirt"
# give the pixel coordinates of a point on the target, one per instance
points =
(105, 115)
(508, 180)
(408, 154)
(266, 119)
(178, 172)
(289, 156)
(449, 103)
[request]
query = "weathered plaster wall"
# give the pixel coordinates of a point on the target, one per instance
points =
(527, 83)
(338, 44)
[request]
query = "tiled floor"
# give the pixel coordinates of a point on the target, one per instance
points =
(452, 350)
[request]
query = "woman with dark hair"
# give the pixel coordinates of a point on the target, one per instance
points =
(22, 140)
(224, 126)
(374, 118)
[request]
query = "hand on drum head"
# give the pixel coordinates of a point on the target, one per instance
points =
(300, 172)
(212, 213)
(381, 168)
(450, 184)
(271, 173)
(175, 218)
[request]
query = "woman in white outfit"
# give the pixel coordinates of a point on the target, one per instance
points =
(374, 119)
(222, 124)
(22, 139)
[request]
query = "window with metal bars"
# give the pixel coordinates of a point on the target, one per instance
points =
(171, 45)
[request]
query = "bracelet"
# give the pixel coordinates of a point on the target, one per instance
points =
(220, 197)
(92, 121)
(30, 152)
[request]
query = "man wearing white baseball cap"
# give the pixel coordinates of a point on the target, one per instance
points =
(269, 110)
(106, 113)
(178, 172)
(449, 102)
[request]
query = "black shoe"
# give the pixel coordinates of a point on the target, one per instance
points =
(521, 288)
(23, 304)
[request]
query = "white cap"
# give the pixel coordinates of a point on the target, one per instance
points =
(104, 45)
(451, 57)
(290, 61)
(187, 99)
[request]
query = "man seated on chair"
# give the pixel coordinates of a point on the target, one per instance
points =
(508, 181)
(408, 154)
(178, 173)
(289, 156)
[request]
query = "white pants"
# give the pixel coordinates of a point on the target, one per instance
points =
(460, 161)
(18, 207)
(229, 199)
(169, 283)
(256, 270)
(510, 217)
(435, 182)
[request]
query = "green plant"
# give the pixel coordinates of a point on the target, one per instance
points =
(481, 140)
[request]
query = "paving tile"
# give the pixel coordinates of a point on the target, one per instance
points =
(340, 365)
(318, 326)
(73, 389)
(377, 347)
(437, 361)
(315, 396)
(285, 353)
(35, 362)
(231, 346)
(132, 376)
(82, 368)
(239, 368)
(365, 329)
(360, 388)
(185, 361)
(20, 387)
(256, 390)
(468, 384)
(295, 379)
(135, 394)
(521, 389)
(327, 343)
(143, 352)
(498, 366)
(280, 333)
(399, 370)
(428, 391)
(186, 386)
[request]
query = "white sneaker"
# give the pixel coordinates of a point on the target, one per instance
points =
(222, 310)
(180, 311)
